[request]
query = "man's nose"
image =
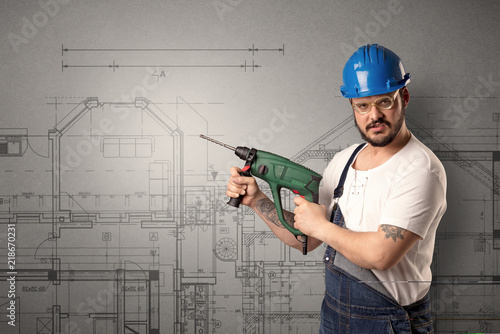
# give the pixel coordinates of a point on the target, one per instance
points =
(375, 112)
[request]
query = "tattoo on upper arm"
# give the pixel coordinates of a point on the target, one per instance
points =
(266, 207)
(393, 232)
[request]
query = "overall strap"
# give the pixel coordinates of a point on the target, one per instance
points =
(340, 187)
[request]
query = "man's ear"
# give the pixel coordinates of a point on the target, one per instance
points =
(405, 96)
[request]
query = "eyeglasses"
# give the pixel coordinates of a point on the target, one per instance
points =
(383, 102)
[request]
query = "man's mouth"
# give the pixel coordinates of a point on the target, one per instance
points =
(377, 126)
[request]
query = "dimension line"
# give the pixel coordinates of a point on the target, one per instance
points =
(115, 66)
(252, 49)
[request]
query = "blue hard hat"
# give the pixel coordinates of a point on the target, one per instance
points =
(373, 70)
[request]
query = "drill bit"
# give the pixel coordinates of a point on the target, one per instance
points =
(218, 143)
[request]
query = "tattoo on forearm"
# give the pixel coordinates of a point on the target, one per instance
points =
(289, 218)
(266, 207)
(393, 232)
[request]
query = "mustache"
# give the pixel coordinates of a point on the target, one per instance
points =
(379, 121)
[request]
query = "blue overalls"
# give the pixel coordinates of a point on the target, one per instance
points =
(356, 302)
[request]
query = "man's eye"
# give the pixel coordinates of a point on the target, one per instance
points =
(362, 105)
(384, 102)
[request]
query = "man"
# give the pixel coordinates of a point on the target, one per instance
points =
(384, 200)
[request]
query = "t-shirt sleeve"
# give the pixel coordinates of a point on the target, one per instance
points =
(415, 201)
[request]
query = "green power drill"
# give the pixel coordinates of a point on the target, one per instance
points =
(279, 173)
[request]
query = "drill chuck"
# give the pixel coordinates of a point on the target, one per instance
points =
(242, 152)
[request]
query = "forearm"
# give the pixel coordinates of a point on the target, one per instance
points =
(378, 250)
(360, 248)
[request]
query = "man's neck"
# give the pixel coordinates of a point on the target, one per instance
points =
(374, 156)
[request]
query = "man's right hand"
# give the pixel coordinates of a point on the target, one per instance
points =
(245, 186)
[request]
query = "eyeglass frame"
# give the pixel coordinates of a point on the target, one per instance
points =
(374, 103)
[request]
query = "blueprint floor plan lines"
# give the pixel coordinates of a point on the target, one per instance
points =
(125, 282)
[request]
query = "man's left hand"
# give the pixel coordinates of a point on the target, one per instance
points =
(310, 218)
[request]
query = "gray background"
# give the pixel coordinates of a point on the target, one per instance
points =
(119, 206)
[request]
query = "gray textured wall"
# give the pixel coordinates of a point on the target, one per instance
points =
(118, 206)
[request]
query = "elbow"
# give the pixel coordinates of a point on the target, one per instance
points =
(313, 243)
(383, 261)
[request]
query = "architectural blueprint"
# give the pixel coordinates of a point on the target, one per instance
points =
(113, 214)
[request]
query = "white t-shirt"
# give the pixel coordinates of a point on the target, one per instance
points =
(409, 191)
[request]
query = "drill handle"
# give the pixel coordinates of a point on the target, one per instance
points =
(245, 171)
(275, 190)
(249, 156)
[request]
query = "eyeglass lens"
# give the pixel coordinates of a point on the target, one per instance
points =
(384, 102)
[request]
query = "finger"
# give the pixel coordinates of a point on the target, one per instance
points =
(233, 194)
(239, 181)
(299, 200)
(235, 171)
(236, 188)
(296, 212)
